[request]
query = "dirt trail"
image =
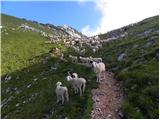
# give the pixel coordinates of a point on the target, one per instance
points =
(107, 98)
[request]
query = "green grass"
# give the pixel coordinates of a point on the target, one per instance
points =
(139, 71)
(23, 53)
(45, 87)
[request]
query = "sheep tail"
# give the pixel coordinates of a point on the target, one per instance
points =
(66, 95)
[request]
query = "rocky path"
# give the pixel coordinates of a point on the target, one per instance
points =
(107, 99)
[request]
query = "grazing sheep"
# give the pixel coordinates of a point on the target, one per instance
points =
(61, 92)
(77, 83)
(85, 60)
(96, 59)
(98, 69)
(73, 58)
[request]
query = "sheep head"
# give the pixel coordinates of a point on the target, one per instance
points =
(58, 83)
(93, 63)
(69, 78)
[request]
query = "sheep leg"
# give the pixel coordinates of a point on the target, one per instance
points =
(57, 98)
(104, 75)
(62, 99)
(80, 91)
(99, 76)
(75, 90)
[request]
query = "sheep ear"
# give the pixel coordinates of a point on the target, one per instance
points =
(91, 61)
(68, 73)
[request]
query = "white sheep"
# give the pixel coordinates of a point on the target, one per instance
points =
(98, 69)
(95, 59)
(78, 84)
(73, 58)
(85, 60)
(61, 92)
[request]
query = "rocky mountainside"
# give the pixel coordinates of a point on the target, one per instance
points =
(71, 31)
(132, 53)
(52, 32)
(29, 72)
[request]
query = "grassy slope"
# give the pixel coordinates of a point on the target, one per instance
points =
(22, 58)
(138, 69)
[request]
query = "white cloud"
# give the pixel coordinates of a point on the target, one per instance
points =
(118, 13)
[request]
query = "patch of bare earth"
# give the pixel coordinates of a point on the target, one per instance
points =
(107, 98)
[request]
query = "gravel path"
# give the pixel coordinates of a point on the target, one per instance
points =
(107, 99)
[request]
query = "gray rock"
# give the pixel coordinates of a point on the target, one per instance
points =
(116, 110)
(7, 78)
(115, 68)
(17, 104)
(109, 116)
(134, 86)
(142, 51)
(137, 109)
(44, 78)
(135, 46)
(120, 114)
(17, 77)
(99, 93)
(6, 33)
(7, 90)
(121, 56)
(149, 43)
(53, 68)
(5, 117)
(28, 86)
(18, 91)
(35, 79)
(125, 69)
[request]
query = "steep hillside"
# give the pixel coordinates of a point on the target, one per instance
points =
(132, 53)
(29, 73)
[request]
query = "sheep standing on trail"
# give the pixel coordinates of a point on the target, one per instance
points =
(61, 92)
(78, 84)
(98, 69)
